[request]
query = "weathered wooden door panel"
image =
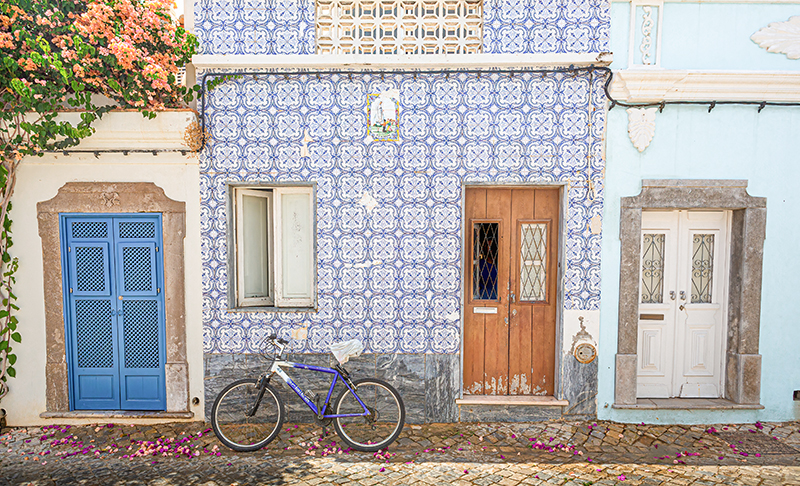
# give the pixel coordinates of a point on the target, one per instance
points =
(509, 337)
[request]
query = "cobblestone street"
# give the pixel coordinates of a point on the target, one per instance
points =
(558, 453)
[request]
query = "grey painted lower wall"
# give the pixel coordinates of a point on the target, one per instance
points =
(428, 383)
(580, 387)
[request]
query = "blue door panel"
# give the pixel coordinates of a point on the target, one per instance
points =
(115, 325)
(96, 389)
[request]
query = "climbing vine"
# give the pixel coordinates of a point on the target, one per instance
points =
(83, 56)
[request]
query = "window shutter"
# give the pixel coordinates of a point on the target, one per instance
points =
(253, 247)
(295, 267)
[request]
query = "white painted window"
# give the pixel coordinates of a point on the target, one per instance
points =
(399, 26)
(274, 232)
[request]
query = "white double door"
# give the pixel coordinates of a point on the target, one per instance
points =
(682, 308)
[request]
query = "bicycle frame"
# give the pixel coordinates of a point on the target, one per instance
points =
(276, 369)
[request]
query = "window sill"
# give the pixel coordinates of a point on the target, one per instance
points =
(271, 309)
(686, 404)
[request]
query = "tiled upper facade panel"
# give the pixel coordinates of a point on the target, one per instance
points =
(372, 26)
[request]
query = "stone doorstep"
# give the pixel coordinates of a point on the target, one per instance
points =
(518, 400)
(686, 404)
(116, 414)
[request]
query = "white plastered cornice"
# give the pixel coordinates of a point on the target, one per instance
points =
(356, 62)
(654, 85)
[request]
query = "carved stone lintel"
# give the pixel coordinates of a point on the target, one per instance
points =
(781, 37)
(641, 126)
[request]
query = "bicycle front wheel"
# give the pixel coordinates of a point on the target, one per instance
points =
(383, 424)
(235, 423)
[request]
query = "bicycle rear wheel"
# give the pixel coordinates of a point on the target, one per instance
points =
(377, 430)
(234, 425)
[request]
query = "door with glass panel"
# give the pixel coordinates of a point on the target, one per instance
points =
(510, 286)
(682, 312)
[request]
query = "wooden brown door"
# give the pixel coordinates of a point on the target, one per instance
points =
(510, 312)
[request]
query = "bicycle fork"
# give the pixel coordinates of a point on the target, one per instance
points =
(263, 381)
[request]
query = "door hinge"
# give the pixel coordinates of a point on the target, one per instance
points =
(69, 249)
(158, 290)
(70, 290)
(156, 248)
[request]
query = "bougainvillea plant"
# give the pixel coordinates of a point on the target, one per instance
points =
(86, 56)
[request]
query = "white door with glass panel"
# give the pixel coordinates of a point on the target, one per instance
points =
(682, 308)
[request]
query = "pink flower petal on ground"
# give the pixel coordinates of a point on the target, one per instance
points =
(621, 477)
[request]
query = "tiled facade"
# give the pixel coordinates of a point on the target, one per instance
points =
(391, 274)
(510, 26)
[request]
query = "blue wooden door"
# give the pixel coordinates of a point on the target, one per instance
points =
(115, 312)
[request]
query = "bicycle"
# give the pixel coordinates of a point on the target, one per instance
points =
(248, 414)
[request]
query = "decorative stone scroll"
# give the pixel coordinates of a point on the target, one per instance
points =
(641, 126)
(399, 27)
(781, 37)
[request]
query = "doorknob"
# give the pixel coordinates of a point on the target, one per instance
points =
(671, 295)
(683, 295)
(512, 297)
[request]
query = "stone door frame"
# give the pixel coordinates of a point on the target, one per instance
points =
(742, 374)
(114, 197)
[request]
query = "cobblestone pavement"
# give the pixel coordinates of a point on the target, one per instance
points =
(550, 453)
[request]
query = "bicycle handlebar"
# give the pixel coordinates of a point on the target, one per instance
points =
(275, 338)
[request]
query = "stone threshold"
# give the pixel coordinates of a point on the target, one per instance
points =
(518, 400)
(116, 414)
(686, 404)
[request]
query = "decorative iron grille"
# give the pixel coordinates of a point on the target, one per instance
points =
(94, 333)
(140, 328)
(89, 229)
(137, 229)
(702, 268)
(484, 260)
(136, 265)
(533, 262)
(653, 268)
(90, 269)
(399, 26)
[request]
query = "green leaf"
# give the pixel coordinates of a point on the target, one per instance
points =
(3, 345)
(11, 371)
(16, 337)
(12, 358)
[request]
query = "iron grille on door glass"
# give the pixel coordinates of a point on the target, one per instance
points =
(533, 262)
(653, 268)
(484, 261)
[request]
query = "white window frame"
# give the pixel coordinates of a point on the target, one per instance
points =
(273, 195)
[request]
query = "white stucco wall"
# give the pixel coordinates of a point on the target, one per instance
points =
(39, 180)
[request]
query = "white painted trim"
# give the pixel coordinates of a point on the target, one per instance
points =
(129, 130)
(357, 62)
(649, 85)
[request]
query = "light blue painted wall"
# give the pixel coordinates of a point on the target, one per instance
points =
(728, 143)
(708, 36)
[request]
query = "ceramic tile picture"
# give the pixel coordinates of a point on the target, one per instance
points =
(384, 116)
